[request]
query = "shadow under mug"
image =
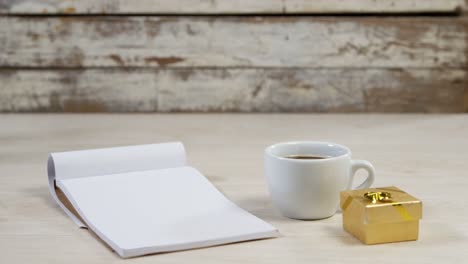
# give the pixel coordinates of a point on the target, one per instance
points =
(310, 188)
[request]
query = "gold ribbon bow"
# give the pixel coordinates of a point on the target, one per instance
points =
(378, 196)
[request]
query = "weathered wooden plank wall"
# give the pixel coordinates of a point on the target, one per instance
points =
(260, 90)
(232, 42)
(148, 63)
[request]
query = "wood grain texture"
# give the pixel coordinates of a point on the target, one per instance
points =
(234, 90)
(228, 149)
(318, 42)
(225, 6)
(77, 91)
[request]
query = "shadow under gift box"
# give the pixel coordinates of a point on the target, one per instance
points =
(381, 215)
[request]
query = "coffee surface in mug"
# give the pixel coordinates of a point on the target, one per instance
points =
(307, 157)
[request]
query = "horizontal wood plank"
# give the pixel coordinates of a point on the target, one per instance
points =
(425, 42)
(77, 91)
(234, 90)
(225, 6)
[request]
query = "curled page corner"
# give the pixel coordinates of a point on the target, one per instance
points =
(51, 175)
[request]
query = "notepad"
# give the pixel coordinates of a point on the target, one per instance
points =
(145, 199)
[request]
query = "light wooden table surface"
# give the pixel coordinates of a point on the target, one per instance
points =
(426, 155)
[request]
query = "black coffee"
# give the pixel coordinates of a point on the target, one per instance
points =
(306, 157)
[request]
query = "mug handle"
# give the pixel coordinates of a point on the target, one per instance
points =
(361, 164)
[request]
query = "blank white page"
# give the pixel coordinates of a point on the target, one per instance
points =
(106, 161)
(145, 212)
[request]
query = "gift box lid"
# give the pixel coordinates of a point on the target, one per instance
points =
(381, 205)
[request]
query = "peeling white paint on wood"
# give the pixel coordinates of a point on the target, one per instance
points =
(421, 42)
(374, 90)
(77, 91)
(236, 90)
(225, 6)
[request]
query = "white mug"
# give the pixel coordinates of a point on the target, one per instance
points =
(310, 188)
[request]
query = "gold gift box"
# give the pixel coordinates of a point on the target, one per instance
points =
(381, 215)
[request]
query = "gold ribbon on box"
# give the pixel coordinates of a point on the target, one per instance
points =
(382, 197)
(378, 196)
